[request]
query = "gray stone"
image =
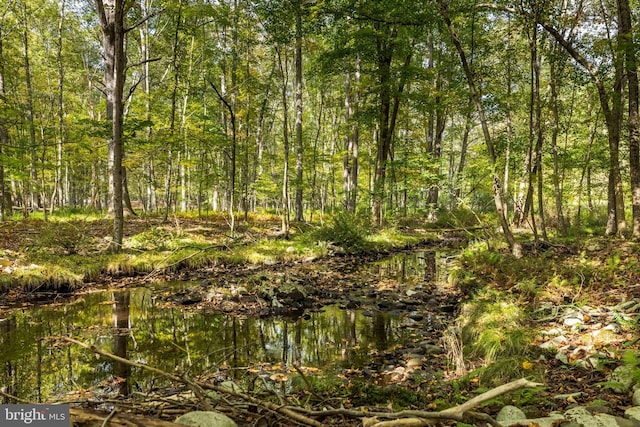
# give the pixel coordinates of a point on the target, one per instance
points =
(599, 409)
(583, 417)
(556, 342)
(622, 379)
(562, 358)
(636, 397)
(633, 413)
(509, 413)
(610, 420)
(573, 318)
(551, 421)
(429, 348)
(205, 419)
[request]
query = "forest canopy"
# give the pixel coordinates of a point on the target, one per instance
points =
(390, 108)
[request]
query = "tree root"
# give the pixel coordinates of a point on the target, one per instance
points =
(303, 416)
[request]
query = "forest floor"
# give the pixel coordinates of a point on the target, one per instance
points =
(552, 285)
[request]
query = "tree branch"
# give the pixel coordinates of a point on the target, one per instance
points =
(145, 19)
(143, 62)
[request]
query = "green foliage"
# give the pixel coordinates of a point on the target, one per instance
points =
(64, 238)
(158, 238)
(631, 359)
(459, 217)
(346, 230)
(493, 327)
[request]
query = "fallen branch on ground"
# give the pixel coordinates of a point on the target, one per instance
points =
(408, 418)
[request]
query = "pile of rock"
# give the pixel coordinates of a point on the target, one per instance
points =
(577, 416)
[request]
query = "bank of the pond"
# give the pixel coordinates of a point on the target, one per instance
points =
(45, 259)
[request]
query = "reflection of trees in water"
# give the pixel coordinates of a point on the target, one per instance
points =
(170, 338)
(9, 380)
(429, 266)
(380, 331)
(406, 268)
(121, 326)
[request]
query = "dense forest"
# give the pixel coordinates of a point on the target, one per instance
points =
(327, 212)
(300, 107)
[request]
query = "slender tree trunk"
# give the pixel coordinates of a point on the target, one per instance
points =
(314, 178)
(457, 181)
(586, 172)
(616, 222)
(58, 192)
(285, 140)
(515, 247)
(384, 55)
(171, 152)
(631, 68)
(346, 160)
(350, 160)
(554, 83)
(299, 143)
(33, 172)
(537, 133)
(4, 134)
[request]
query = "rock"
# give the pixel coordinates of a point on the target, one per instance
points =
(562, 358)
(556, 342)
(510, 413)
(599, 409)
(611, 421)
(430, 348)
(552, 420)
(291, 292)
(622, 379)
(583, 417)
(633, 413)
(416, 315)
(603, 336)
(205, 419)
(636, 397)
(414, 362)
(573, 319)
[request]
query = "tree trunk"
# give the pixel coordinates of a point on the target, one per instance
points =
(515, 247)
(58, 191)
(111, 14)
(536, 130)
(299, 146)
(554, 83)
(169, 199)
(284, 74)
(350, 160)
(457, 179)
(30, 186)
(616, 222)
(631, 68)
(384, 55)
(4, 134)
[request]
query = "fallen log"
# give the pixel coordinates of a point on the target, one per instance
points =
(407, 418)
(84, 418)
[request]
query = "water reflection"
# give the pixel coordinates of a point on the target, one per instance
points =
(134, 325)
(419, 267)
(121, 339)
(140, 326)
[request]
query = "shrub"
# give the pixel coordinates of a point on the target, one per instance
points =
(346, 230)
(65, 238)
